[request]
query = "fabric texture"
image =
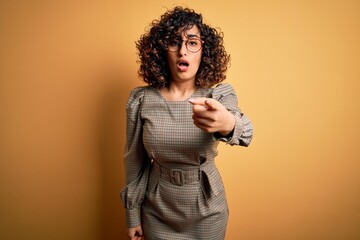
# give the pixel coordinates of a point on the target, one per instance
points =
(161, 139)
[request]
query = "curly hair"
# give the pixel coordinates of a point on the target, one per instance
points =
(152, 49)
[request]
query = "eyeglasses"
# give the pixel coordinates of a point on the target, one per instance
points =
(193, 45)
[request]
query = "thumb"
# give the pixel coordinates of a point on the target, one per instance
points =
(211, 104)
(140, 231)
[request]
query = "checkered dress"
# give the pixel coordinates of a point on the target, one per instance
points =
(173, 188)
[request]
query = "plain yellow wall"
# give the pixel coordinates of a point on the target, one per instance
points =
(66, 68)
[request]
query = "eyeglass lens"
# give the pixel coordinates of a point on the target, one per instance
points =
(193, 45)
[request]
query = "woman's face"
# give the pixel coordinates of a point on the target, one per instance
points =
(184, 63)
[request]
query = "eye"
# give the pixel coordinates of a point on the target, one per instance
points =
(193, 43)
(174, 43)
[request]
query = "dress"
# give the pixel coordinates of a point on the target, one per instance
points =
(173, 188)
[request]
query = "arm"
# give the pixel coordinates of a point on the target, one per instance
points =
(135, 160)
(221, 116)
(211, 116)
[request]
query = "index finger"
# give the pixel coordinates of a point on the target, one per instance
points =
(198, 101)
(208, 103)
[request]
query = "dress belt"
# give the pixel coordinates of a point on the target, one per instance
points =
(180, 177)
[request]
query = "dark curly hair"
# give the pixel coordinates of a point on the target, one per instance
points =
(152, 48)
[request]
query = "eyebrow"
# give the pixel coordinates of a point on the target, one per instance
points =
(192, 35)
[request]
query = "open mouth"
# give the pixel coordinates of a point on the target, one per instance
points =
(183, 63)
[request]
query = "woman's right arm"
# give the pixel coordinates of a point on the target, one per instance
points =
(135, 160)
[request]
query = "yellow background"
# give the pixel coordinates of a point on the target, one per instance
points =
(66, 68)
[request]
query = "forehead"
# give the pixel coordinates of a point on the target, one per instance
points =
(189, 33)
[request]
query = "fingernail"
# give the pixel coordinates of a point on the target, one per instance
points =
(191, 100)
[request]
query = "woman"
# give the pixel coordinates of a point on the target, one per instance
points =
(174, 125)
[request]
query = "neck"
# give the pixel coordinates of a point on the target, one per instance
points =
(183, 87)
(178, 91)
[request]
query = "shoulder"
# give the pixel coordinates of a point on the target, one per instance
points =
(222, 90)
(136, 96)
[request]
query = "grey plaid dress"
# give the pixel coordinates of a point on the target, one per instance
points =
(173, 188)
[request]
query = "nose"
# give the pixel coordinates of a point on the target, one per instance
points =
(182, 48)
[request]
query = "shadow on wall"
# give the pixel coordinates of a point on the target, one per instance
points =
(111, 140)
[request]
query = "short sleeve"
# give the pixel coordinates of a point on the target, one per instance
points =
(243, 131)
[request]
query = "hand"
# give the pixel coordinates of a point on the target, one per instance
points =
(211, 116)
(135, 233)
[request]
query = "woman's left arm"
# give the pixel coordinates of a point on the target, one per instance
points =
(221, 116)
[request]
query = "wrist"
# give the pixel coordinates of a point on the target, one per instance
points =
(226, 134)
(228, 128)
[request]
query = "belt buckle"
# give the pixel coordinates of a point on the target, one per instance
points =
(177, 177)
